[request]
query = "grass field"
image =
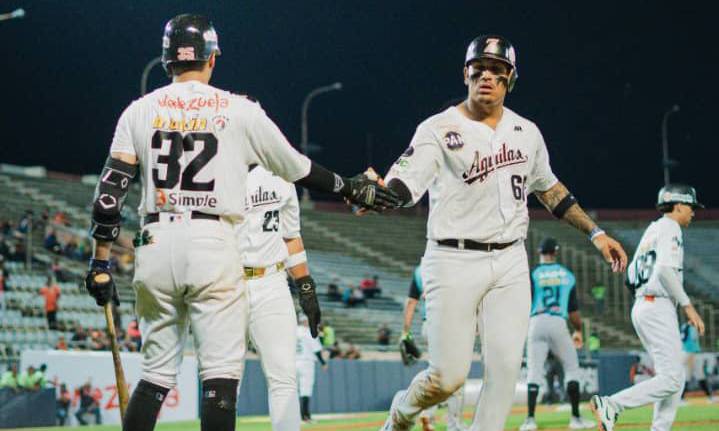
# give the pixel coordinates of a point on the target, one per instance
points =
(697, 416)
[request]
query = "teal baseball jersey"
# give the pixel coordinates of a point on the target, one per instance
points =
(553, 290)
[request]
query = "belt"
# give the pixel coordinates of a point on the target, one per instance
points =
(468, 244)
(195, 215)
(251, 272)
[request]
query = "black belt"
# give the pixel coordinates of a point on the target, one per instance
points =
(196, 215)
(468, 244)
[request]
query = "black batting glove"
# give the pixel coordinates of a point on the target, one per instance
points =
(368, 194)
(309, 304)
(99, 283)
(408, 349)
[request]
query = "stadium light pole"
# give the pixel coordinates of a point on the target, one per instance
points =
(305, 106)
(666, 163)
(146, 72)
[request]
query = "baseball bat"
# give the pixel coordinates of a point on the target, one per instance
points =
(117, 362)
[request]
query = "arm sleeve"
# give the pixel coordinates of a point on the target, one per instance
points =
(290, 218)
(671, 281)
(414, 292)
(670, 251)
(270, 148)
(573, 302)
(541, 178)
(419, 164)
(122, 141)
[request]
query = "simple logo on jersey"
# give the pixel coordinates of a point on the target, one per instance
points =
(453, 140)
(220, 122)
(186, 125)
(262, 197)
(195, 104)
(186, 53)
(482, 166)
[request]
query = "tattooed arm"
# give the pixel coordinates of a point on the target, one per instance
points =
(559, 202)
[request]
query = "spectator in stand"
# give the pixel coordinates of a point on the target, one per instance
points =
(51, 242)
(88, 404)
(9, 378)
(383, 335)
(335, 351)
(61, 343)
(18, 250)
(4, 246)
(6, 228)
(3, 276)
(327, 334)
(39, 378)
(352, 296)
(133, 334)
(51, 292)
(370, 287)
(594, 344)
(26, 380)
(598, 293)
(25, 222)
(63, 401)
(60, 218)
(352, 352)
(58, 272)
(79, 338)
(97, 341)
(333, 290)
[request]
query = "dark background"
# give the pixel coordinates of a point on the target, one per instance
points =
(595, 76)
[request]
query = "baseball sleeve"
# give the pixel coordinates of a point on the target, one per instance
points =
(670, 250)
(419, 164)
(122, 141)
(414, 291)
(270, 148)
(290, 219)
(541, 177)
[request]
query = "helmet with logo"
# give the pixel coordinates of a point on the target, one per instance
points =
(677, 194)
(188, 38)
(496, 47)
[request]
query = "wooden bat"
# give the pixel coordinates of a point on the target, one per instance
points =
(122, 392)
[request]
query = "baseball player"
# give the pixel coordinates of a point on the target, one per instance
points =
(479, 160)
(270, 230)
(656, 279)
(192, 143)
(690, 347)
(410, 353)
(309, 351)
(554, 300)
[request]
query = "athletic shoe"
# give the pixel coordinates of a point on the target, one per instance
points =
(529, 425)
(604, 412)
(579, 423)
(396, 421)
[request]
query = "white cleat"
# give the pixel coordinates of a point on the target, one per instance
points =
(529, 425)
(579, 423)
(395, 421)
(605, 414)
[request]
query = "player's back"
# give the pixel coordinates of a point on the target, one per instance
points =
(192, 144)
(661, 243)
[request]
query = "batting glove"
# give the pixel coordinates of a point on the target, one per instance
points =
(309, 304)
(99, 283)
(369, 194)
(408, 349)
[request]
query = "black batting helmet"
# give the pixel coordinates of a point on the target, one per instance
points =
(188, 37)
(677, 194)
(548, 246)
(496, 47)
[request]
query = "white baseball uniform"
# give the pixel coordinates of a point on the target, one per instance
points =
(273, 214)
(654, 316)
(307, 349)
(194, 142)
(478, 179)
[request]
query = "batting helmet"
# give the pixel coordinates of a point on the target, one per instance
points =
(677, 194)
(188, 38)
(496, 47)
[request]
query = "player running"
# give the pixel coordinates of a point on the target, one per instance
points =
(479, 160)
(554, 301)
(270, 242)
(410, 353)
(192, 143)
(655, 276)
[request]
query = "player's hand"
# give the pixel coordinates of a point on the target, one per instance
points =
(408, 349)
(577, 339)
(373, 176)
(694, 318)
(370, 195)
(612, 251)
(99, 283)
(309, 304)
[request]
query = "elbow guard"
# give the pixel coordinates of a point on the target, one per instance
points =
(110, 194)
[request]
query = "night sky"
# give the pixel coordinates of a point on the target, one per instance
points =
(596, 77)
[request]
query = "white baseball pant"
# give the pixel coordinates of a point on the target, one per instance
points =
(188, 274)
(306, 377)
(273, 330)
(547, 332)
(462, 286)
(655, 321)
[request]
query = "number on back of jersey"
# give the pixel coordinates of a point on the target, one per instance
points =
(640, 271)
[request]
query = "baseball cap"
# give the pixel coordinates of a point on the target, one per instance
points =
(548, 245)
